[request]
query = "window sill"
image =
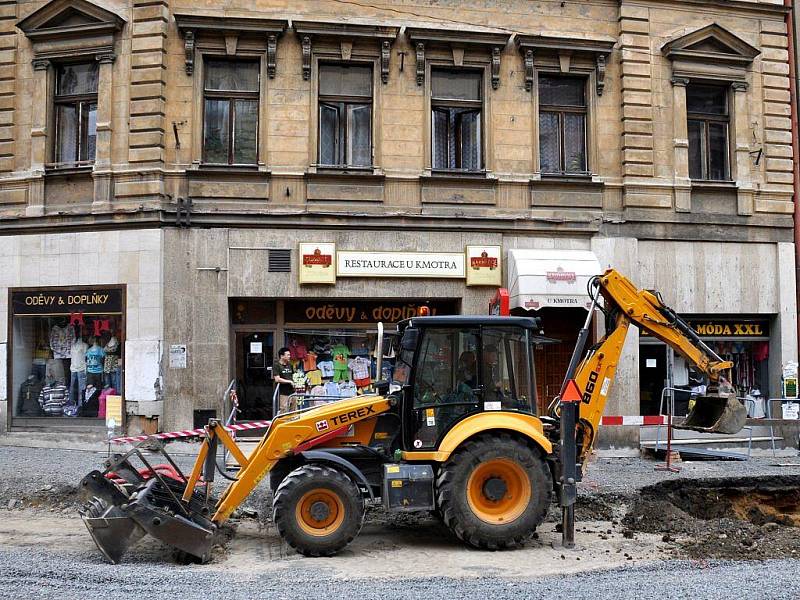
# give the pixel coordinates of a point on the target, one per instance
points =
(707, 184)
(65, 170)
(219, 168)
(567, 177)
(460, 173)
(345, 171)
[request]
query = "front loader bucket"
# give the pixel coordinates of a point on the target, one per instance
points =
(716, 414)
(123, 504)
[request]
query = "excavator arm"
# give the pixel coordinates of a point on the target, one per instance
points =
(623, 305)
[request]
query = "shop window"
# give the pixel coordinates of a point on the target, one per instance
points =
(66, 351)
(345, 115)
(336, 363)
(708, 119)
(230, 121)
(456, 115)
(75, 102)
(562, 125)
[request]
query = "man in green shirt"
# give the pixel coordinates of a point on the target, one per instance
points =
(282, 373)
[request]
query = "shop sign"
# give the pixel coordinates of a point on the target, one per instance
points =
(361, 312)
(317, 263)
(484, 265)
(400, 264)
(710, 328)
(65, 301)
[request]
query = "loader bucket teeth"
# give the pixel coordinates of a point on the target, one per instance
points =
(111, 529)
(716, 414)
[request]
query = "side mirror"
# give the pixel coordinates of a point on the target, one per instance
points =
(409, 340)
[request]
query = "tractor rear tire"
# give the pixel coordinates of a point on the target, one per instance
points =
(494, 491)
(318, 510)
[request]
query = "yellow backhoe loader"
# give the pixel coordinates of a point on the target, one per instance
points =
(455, 431)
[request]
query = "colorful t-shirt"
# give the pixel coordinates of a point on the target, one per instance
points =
(310, 362)
(331, 389)
(95, 357)
(299, 380)
(360, 367)
(347, 389)
(314, 377)
(297, 350)
(326, 368)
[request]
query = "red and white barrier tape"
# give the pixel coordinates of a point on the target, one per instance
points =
(633, 420)
(172, 435)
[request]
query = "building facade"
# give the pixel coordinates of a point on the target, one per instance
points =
(186, 188)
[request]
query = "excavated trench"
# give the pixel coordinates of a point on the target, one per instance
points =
(745, 517)
(759, 500)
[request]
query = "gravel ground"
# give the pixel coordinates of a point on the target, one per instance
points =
(37, 482)
(48, 576)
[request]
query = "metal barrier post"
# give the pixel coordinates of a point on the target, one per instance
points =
(667, 466)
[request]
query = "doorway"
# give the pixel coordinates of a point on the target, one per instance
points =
(254, 357)
(652, 377)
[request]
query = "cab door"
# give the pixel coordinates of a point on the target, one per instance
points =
(446, 384)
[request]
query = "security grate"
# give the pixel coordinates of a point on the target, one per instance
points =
(280, 261)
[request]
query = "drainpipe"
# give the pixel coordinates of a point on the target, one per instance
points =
(793, 91)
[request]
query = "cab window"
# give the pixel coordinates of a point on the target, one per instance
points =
(505, 374)
(446, 382)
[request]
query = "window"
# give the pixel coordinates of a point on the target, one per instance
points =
(562, 125)
(456, 119)
(345, 115)
(707, 116)
(446, 385)
(505, 374)
(230, 125)
(67, 352)
(76, 113)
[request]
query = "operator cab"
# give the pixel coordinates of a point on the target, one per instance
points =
(451, 367)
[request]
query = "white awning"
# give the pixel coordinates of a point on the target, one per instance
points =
(550, 278)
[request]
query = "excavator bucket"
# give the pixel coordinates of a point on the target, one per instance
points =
(716, 414)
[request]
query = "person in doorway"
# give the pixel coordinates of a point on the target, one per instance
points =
(282, 373)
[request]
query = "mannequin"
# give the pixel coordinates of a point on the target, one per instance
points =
(77, 368)
(95, 357)
(111, 366)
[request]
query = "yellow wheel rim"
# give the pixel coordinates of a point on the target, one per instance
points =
(498, 491)
(320, 512)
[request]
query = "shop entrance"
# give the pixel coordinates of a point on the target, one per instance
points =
(254, 357)
(652, 377)
(552, 360)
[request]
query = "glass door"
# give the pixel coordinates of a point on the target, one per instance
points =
(254, 358)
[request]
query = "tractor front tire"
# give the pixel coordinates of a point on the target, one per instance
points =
(494, 491)
(318, 510)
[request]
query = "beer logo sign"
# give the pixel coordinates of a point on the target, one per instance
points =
(317, 263)
(561, 275)
(317, 258)
(484, 265)
(484, 261)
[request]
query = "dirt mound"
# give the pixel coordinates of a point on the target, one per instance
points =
(748, 517)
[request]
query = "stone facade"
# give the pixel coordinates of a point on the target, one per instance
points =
(637, 208)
